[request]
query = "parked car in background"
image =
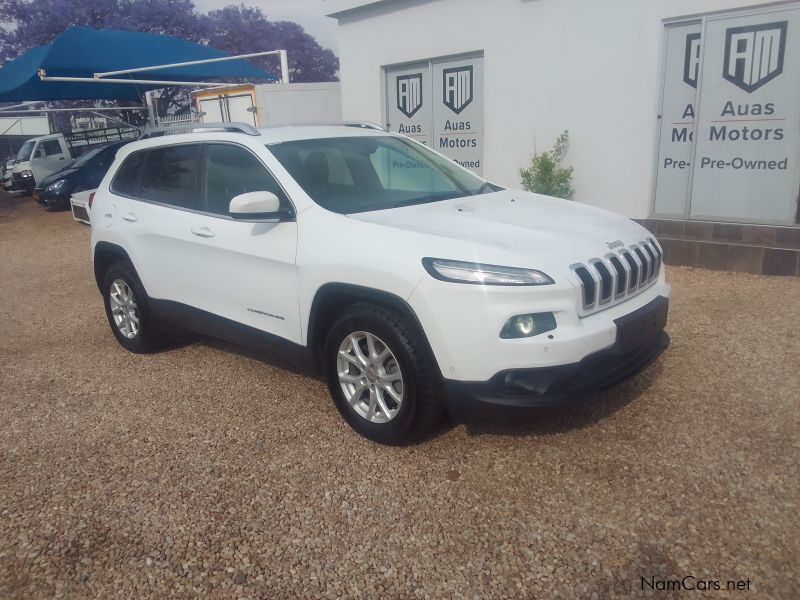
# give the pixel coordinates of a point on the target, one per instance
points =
(38, 158)
(80, 205)
(85, 173)
(47, 154)
(411, 283)
(8, 165)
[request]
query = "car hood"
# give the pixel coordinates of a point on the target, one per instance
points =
(509, 224)
(68, 174)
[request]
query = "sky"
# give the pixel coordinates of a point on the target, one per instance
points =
(308, 13)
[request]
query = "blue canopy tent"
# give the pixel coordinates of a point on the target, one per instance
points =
(55, 71)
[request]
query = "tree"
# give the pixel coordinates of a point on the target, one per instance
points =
(241, 29)
(25, 24)
(544, 176)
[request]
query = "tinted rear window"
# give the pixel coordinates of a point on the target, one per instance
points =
(170, 175)
(126, 181)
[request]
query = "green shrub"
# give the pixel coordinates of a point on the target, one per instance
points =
(544, 176)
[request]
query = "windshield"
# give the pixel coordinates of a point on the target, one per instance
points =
(357, 174)
(26, 150)
(85, 158)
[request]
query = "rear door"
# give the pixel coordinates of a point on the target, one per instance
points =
(157, 192)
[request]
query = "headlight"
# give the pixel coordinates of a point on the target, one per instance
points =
(466, 272)
(26, 174)
(56, 185)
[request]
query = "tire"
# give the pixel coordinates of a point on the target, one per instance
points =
(419, 386)
(144, 336)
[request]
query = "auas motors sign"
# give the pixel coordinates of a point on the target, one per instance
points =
(691, 64)
(729, 125)
(754, 54)
(440, 103)
(409, 94)
(457, 88)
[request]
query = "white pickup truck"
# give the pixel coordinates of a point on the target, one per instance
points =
(38, 158)
(48, 154)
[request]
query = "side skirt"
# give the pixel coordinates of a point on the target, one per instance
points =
(194, 319)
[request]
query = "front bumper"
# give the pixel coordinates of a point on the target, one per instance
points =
(54, 200)
(22, 185)
(518, 391)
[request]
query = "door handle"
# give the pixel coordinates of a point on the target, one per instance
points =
(130, 217)
(204, 232)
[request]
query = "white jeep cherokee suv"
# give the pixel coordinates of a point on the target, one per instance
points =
(413, 285)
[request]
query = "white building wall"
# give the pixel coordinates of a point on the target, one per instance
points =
(588, 66)
(285, 104)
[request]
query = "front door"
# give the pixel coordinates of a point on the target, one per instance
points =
(49, 157)
(243, 271)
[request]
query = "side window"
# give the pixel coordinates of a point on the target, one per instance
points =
(232, 170)
(171, 175)
(51, 147)
(398, 171)
(127, 180)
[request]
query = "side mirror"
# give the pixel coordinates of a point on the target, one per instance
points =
(255, 205)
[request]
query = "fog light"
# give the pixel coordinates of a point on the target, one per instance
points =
(522, 326)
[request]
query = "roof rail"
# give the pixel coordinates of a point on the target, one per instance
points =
(178, 129)
(360, 124)
(363, 125)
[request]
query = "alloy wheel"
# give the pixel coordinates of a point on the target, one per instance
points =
(370, 377)
(124, 309)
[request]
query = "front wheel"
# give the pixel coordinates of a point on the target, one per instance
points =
(381, 375)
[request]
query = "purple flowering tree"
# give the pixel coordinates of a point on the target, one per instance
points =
(235, 29)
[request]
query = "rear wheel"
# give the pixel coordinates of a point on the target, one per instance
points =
(381, 376)
(132, 323)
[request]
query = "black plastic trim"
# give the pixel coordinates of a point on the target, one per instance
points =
(351, 294)
(104, 249)
(533, 389)
(201, 321)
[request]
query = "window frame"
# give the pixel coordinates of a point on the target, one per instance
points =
(44, 145)
(290, 215)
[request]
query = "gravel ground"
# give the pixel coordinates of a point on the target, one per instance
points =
(208, 471)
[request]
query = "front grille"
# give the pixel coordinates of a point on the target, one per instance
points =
(617, 276)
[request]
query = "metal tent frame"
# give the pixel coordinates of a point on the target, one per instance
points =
(107, 77)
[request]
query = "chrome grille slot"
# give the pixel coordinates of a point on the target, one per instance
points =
(618, 275)
(644, 275)
(622, 275)
(606, 280)
(634, 268)
(652, 256)
(659, 257)
(588, 285)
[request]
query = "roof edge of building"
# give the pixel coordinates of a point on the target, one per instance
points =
(341, 8)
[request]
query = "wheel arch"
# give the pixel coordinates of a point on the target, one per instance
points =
(332, 298)
(105, 255)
